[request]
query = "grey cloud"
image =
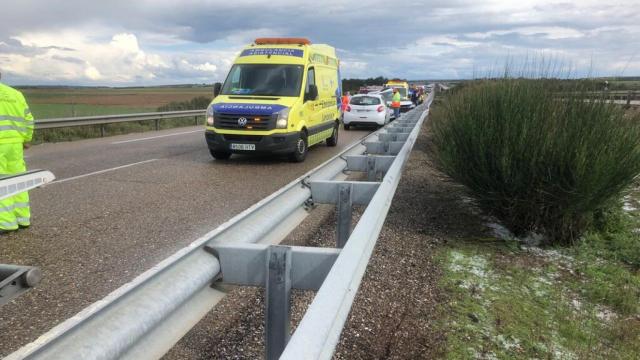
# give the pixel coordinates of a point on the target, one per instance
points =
(13, 46)
(371, 31)
(359, 26)
(444, 44)
(69, 59)
(355, 26)
(62, 48)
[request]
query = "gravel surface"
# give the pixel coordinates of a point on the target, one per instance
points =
(394, 313)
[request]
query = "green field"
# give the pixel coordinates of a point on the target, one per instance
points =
(53, 102)
(61, 102)
(49, 111)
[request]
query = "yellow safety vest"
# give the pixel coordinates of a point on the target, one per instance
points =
(16, 121)
(395, 101)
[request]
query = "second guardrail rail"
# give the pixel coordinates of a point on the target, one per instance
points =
(112, 119)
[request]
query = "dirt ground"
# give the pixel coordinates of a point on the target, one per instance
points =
(395, 313)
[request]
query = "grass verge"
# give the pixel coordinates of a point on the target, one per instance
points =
(506, 301)
(529, 303)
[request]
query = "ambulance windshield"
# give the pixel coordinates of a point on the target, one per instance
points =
(263, 80)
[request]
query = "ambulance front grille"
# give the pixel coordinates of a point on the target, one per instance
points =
(253, 122)
(244, 138)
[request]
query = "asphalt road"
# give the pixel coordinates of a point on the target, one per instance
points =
(120, 205)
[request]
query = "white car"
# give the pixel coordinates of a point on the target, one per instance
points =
(366, 109)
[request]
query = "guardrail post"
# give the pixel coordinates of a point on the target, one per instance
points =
(157, 121)
(629, 95)
(345, 209)
(278, 296)
(102, 130)
(371, 168)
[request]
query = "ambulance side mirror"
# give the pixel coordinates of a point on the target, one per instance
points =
(312, 94)
(216, 89)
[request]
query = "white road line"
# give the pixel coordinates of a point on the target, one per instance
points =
(103, 171)
(156, 137)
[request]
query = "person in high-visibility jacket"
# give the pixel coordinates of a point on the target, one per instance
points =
(395, 103)
(345, 101)
(16, 130)
(344, 104)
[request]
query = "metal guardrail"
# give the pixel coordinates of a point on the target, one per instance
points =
(146, 317)
(319, 331)
(628, 98)
(111, 119)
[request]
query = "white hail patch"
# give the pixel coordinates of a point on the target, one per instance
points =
(500, 231)
(605, 314)
(476, 264)
(553, 256)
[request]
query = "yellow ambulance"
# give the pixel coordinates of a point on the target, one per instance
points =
(403, 88)
(281, 96)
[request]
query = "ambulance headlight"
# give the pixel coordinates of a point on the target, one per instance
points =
(283, 119)
(210, 115)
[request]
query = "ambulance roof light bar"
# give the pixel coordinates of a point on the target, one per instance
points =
(282, 41)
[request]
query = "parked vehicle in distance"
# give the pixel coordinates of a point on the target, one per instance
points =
(281, 96)
(366, 109)
(405, 104)
(401, 85)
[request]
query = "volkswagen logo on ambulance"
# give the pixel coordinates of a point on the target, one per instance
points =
(242, 121)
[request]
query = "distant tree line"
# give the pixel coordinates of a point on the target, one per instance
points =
(564, 85)
(354, 84)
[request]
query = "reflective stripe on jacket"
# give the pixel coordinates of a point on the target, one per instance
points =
(16, 120)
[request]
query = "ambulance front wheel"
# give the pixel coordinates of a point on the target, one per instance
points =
(301, 149)
(333, 140)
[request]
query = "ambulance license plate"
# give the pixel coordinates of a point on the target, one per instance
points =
(244, 147)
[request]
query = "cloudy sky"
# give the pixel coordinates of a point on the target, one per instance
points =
(148, 42)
